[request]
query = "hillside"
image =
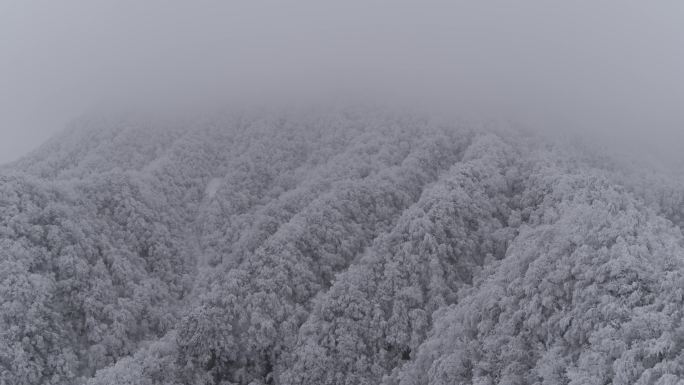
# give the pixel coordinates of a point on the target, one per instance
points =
(338, 246)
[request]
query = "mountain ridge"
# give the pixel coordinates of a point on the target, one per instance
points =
(333, 247)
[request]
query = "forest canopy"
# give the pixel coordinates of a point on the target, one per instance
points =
(338, 246)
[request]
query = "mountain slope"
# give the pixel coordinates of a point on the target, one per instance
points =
(338, 246)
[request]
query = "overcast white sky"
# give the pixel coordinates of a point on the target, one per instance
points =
(613, 65)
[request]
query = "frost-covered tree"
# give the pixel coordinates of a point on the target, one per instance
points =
(579, 299)
(379, 310)
(335, 246)
(243, 325)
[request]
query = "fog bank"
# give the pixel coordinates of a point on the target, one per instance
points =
(607, 67)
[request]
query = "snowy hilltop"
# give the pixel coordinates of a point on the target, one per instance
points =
(335, 246)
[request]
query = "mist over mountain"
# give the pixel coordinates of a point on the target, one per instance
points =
(341, 193)
(339, 245)
(612, 66)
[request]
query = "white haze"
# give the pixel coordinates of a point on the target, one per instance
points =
(609, 67)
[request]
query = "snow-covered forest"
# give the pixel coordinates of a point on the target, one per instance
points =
(338, 246)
